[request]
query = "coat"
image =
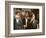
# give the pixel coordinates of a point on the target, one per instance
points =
(20, 24)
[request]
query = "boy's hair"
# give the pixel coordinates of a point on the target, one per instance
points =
(17, 11)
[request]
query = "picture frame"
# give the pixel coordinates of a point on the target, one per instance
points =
(9, 32)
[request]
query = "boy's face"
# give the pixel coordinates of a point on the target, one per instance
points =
(23, 13)
(18, 16)
(27, 15)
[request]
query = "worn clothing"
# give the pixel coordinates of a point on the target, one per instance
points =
(19, 23)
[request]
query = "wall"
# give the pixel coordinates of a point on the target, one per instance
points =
(2, 18)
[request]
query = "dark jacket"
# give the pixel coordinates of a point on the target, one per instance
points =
(17, 24)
